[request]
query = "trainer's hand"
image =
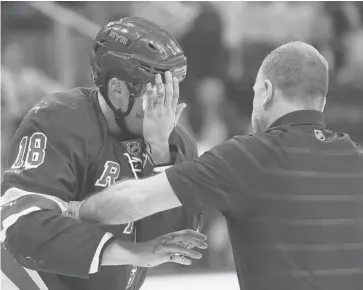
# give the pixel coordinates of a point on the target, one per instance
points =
(174, 247)
(161, 110)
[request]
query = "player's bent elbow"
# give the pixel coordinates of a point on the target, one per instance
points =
(20, 247)
(34, 240)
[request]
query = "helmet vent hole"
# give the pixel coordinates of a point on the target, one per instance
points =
(152, 46)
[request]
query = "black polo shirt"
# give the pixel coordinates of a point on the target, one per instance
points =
(293, 200)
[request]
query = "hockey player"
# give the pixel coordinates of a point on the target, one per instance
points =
(76, 143)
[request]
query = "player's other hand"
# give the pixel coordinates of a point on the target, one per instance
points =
(174, 247)
(161, 110)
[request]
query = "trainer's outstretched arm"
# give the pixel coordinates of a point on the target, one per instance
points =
(130, 200)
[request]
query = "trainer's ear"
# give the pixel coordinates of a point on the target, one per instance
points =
(269, 92)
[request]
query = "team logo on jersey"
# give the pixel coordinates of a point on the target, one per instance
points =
(133, 148)
(319, 135)
(109, 175)
(38, 106)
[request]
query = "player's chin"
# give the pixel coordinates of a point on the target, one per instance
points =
(136, 131)
(134, 125)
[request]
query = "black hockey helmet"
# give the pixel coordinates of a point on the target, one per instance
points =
(134, 50)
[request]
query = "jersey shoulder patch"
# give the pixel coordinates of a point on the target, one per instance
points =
(69, 111)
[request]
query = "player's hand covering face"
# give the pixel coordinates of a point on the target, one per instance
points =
(161, 109)
(173, 247)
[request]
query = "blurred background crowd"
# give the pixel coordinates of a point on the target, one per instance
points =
(45, 48)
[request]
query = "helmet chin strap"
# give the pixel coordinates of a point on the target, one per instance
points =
(120, 121)
(119, 114)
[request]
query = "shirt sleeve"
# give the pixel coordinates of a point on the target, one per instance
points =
(47, 168)
(177, 219)
(186, 147)
(216, 180)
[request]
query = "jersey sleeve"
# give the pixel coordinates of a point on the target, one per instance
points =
(48, 152)
(217, 179)
(47, 168)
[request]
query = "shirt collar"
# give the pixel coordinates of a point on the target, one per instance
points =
(303, 117)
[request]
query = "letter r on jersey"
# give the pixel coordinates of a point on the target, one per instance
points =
(109, 175)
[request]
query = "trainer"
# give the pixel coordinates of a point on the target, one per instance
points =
(292, 192)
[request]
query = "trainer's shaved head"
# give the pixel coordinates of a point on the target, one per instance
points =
(297, 69)
(292, 77)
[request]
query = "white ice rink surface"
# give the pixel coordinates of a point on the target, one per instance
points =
(214, 281)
